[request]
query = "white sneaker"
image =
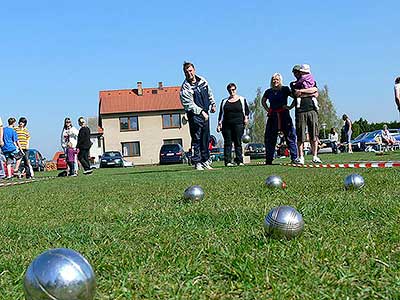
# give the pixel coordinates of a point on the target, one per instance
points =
(316, 160)
(299, 160)
(241, 164)
(199, 167)
(230, 164)
(206, 165)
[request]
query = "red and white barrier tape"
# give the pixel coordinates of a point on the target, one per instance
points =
(387, 164)
(5, 183)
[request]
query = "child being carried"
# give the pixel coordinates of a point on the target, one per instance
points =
(304, 82)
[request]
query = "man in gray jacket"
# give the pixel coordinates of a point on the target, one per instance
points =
(197, 98)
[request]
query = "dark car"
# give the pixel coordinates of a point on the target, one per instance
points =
(38, 162)
(255, 150)
(172, 154)
(62, 162)
(111, 159)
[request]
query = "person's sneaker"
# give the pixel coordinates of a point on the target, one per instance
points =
(241, 164)
(316, 160)
(206, 165)
(87, 172)
(199, 167)
(74, 175)
(299, 160)
(229, 164)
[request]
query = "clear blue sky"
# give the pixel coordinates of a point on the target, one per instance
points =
(55, 56)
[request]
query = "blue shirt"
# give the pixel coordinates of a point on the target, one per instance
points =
(9, 137)
(277, 98)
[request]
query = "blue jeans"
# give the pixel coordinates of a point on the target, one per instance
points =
(271, 134)
(200, 134)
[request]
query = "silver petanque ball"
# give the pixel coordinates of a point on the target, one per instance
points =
(283, 222)
(275, 181)
(353, 182)
(59, 274)
(194, 193)
(246, 138)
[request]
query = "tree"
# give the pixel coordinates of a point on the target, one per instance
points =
(257, 119)
(327, 111)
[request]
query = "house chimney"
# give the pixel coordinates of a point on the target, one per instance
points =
(160, 86)
(139, 88)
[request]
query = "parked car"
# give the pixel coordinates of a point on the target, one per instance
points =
(62, 162)
(369, 140)
(111, 159)
(217, 154)
(255, 150)
(38, 162)
(172, 154)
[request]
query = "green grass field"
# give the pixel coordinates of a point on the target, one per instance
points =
(145, 242)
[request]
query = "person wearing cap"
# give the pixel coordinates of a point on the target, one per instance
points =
(84, 145)
(278, 118)
(305, 81)
(397, 92)
(306, 116)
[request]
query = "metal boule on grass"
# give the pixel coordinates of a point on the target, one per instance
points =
(59, 274)
(283, 222)
(246, 138)
(275, 182)
(194, 193)
(353, 182)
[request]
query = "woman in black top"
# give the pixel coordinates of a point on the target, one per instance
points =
(233, 116)
(84, 145)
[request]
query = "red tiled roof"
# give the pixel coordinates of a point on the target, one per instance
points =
(153, 99)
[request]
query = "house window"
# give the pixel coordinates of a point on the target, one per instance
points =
(131, 149)
(128, 123)
(173, 141)
(171, 121)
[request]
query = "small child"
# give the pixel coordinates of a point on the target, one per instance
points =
(71, 152)
(304, 82)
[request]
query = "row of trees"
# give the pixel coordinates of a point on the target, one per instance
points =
(327, 118)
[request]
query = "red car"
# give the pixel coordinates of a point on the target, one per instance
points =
(61, 162)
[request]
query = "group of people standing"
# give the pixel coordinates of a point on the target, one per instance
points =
(76, 145)
(197, 99)
(14, 142)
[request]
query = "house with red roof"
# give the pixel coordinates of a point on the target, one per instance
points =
(137, 122)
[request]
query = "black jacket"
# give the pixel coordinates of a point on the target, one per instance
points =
(84, 138)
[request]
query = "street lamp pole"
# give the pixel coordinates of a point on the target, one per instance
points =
(324, 127)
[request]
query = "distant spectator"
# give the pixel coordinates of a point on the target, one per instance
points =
(23, 138)
(387, 138)
(71, 155)
(11, 145)
(69, 134)
(347, 131)
(397, 92)
(84, 145)
(334, 139)
(2, 158)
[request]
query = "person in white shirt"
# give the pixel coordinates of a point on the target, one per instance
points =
(333, 138)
